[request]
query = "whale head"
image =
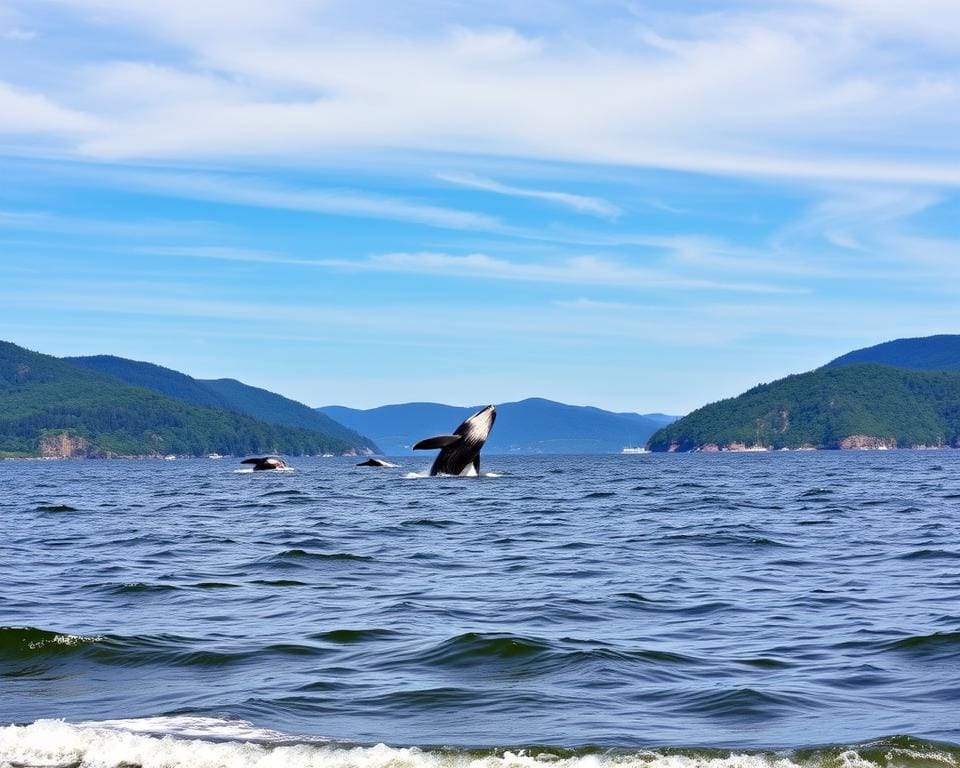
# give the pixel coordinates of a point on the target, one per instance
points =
(477, 427)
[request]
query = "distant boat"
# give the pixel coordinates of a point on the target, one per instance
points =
(214, 456)
(326, 456)
(634, 449)
(171, 457)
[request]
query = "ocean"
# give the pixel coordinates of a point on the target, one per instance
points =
(719, 610)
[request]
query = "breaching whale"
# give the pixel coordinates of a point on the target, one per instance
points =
(266, 462)
(460, 452)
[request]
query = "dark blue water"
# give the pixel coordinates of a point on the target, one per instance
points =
(739, 602)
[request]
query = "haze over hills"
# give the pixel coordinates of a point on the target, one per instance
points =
(534, 425)
(901, 394)
(49, 407)
(227, 394)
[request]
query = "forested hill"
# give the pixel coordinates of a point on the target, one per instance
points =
(276, 409)
(49, 407)
(226, 394)
(930, 353)
(166, 381)
(848, 406)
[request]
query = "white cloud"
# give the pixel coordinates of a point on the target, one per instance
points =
(26, 112)
(579, 203)
(812, 90)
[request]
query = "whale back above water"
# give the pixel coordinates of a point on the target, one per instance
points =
(261, 463)
(460, 451)
(375, 463)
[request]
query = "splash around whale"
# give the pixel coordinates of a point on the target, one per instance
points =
(460, 451)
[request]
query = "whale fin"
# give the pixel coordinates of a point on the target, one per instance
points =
(440, 441)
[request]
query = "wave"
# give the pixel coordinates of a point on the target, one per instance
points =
(29, 644)
(304, 555)
(936, 645)
(172, 742)
(26, 642)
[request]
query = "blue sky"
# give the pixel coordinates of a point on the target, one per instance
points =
(636, 205)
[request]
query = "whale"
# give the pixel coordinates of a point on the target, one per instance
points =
(265, 462)
(375, 463)
(460, 451)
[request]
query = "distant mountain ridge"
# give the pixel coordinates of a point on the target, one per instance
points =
(929, 353)
(226, 394)
(50, 407)
(534, 425)
(901, 394)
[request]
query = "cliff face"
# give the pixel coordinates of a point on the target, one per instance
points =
(64, 446)
(867, 442)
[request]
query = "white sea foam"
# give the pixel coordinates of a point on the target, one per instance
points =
(198, 742)
(68, 640)
(426, 473)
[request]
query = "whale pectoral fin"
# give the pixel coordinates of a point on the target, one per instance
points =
(251, 461)
(440, 441)
(476, 465)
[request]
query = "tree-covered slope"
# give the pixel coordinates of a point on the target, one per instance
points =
(534, 425)
(277, 409)
(51, 407)
(929, 353)
(166, 381)
(226, 394)
(861, 405)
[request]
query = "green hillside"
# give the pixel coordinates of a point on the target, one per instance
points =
(276, 409)
(51, 407)
(928, 353)
(863, 405)
(166, 381)
(228, 394)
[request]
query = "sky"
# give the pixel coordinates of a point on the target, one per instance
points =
(641, 206)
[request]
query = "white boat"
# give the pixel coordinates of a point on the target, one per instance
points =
(171, 457)
(634, 449)
(214, 456)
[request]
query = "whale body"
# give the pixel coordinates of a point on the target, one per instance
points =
(265, 462)
(460, 451)
(375, 463)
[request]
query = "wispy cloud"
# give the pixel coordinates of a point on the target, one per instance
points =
(27, 112)
(580, 203)
(578, 270)
(341, 202)
(16, 33)
(589, 270)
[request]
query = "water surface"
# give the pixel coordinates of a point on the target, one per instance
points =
(737, 602)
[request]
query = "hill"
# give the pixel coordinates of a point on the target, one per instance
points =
(528, 426)
(49, 407)
(226, 394)
(848, 406)
(277, 409)
(929, 353)
(166, 381)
